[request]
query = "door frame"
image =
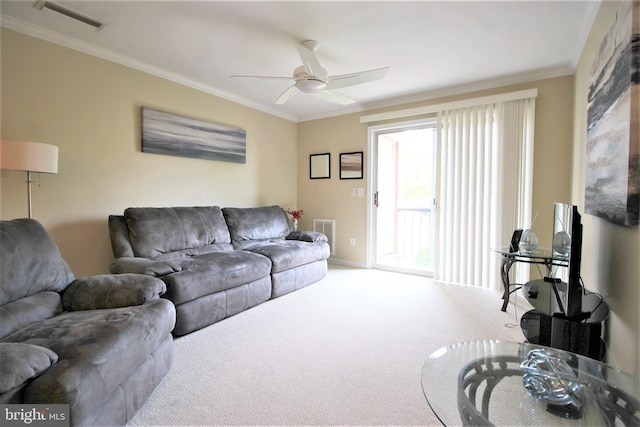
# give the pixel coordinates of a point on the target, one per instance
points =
(372, 177)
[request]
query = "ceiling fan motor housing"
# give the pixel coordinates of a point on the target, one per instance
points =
(306, 82)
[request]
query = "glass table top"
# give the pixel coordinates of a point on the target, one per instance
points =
(448, 383)
(539, 253)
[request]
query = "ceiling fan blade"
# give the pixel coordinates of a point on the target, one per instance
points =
(344, 80)
(262, 77)
(286, 95)
(332, 96)
(310, 62)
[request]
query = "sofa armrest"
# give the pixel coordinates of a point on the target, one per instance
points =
(307, 236)
(22, 362)
(111, 291)
(146, 266)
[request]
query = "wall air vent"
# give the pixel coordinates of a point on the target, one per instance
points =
(69, 13)
(328, 227)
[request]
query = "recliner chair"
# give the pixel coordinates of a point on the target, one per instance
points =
(100, 344)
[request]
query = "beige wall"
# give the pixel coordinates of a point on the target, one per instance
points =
(611, 260)
(90, 109)
(330, 198)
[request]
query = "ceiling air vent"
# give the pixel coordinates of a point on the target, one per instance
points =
(69, 13)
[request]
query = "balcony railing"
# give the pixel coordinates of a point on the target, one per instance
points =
(415, 236)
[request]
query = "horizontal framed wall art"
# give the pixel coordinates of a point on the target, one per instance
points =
(175, 135)
(351, 165)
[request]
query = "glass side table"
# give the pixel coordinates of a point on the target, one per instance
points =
(481, 383)
(542, 256)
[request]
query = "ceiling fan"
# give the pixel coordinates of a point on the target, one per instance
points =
(313, 79)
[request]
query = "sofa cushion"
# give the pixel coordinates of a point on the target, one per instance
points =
(150, 267)
(21, 362)
(28, 310)
(157, 231)
(267, 222)
(286, 254)
(30, 262)
(214, 272)
(202, 250)
(97, 350)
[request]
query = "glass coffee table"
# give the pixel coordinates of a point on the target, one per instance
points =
(481, 383)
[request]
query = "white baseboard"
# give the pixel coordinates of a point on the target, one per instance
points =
(346, 263)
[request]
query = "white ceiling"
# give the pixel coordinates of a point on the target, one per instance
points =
(433, 48)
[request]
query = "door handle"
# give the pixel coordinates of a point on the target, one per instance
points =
(375, 199)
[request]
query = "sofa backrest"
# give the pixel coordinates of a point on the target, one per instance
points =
(32, 273)
(154, 232)
(263, 223)
(30, 262)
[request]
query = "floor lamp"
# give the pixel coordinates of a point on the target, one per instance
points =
(30, 157)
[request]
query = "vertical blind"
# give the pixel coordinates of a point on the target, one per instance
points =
(486, 169)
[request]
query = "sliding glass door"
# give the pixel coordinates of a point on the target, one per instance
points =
(483, 185)
(403, 200)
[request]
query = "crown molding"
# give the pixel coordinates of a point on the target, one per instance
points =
(431, 109)
(448, 91)
(89, 49)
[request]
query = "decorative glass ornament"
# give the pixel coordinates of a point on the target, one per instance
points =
(529, 240)
(562, 242)
(548, 377)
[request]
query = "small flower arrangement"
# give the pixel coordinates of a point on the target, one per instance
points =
(295, 214)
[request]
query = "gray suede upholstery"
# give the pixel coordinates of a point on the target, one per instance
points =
(255, 224)
(111, 291)
(298, 258)
(108, 338)
(30, 261)
(21, 362)
(214, 272)
(157, 231)
(216, 262)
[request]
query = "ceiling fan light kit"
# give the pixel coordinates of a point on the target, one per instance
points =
(312, 78)
(310, 85)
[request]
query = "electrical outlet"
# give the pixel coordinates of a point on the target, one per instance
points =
(352, 241)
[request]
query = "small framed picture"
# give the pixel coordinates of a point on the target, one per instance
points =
(320, 166)
(351, 165)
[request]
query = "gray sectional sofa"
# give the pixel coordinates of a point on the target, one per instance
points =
(100, 344)
(217, 262)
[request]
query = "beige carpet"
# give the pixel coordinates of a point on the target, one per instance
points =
(347, 350)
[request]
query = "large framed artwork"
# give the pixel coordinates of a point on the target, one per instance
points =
(612, 178)
(175, 135)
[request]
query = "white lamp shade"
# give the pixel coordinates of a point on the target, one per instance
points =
(28, 156)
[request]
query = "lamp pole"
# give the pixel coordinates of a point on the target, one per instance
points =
(29, 194)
